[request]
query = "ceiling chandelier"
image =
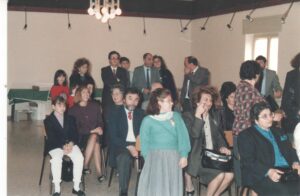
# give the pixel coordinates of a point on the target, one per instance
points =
(104, 9)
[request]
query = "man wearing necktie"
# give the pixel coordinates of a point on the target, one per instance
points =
(194, 76)
(145, 75)
(111, 75)
(268, 82)
(123, 125)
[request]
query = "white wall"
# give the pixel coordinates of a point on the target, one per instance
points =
(47, 45)
(222, 51)
(34, 55)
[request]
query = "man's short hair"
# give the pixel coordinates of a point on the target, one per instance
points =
(132, 91)
(58, 100)
(112, 53)
(122, 59)
(192, 60)
(145, 55)
(261, 58)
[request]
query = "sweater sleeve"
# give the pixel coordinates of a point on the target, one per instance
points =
(145, 132)
(184, 145)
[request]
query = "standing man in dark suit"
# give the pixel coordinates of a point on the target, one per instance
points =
(145, 75)
(290, 102)
(111, 75)
(194, 76)
(268, 83)
(123, 128)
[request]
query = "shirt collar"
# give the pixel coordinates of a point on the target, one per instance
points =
(196, 68)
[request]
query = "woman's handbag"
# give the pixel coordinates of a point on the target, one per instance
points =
(215, 160)
(67, 170)
(289, 174)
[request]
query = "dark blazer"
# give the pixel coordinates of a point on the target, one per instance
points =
(76, 79)
(117, 128)
(139, 78)
(58, 136)
(291, 100)
(168, 82)
(257, 154)
(109, 80)
(195, 127)
(199, 78)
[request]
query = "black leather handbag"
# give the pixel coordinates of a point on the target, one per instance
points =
(289, 175)
(67, 170)
(215, 160)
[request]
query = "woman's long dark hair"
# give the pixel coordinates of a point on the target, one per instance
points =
(157, 95)
(57, 74)
(163, 65)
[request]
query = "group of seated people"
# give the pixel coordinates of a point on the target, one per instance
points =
(173, 132)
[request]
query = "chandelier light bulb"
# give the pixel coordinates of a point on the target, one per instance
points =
(98, 15)
(112, 16)
(118, 11)
(104, 19)
(91, 11)
(104, 10)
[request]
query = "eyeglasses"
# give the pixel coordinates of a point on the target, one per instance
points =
(266, 116)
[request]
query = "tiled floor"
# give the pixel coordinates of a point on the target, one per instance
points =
(25, 148)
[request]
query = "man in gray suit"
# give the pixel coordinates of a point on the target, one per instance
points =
(268, 83)
(145, 75)
(194, 76)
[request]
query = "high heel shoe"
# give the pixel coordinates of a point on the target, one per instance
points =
(190, 193)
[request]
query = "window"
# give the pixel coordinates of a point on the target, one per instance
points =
(265, 45)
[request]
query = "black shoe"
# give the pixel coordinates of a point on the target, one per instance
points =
(190, 193)
(101, 178)
(86, 171)
(79, 193)
(56, 194)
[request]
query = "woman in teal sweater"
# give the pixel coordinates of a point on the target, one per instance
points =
(165, 146)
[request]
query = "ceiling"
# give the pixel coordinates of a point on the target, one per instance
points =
(183, 9)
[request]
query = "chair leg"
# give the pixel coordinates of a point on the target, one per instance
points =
(83, 182)
(50, 184)
(110, 176)
(103, 166)
(199, 188)
(42, 171)
(229, 190)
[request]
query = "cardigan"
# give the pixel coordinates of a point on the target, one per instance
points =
(166, 134)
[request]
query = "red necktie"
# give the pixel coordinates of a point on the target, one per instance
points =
(130, 115)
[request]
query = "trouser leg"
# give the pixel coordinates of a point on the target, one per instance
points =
(56, 165)
(124, 163)
(77, 159)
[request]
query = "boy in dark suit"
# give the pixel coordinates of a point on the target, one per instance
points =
(62, 140)
(123, 128)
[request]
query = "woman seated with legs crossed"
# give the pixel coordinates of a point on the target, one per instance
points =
(266, 154)
(89, 122)
(62, 139)
(204, 125)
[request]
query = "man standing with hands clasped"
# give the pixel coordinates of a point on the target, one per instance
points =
(194, 76)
